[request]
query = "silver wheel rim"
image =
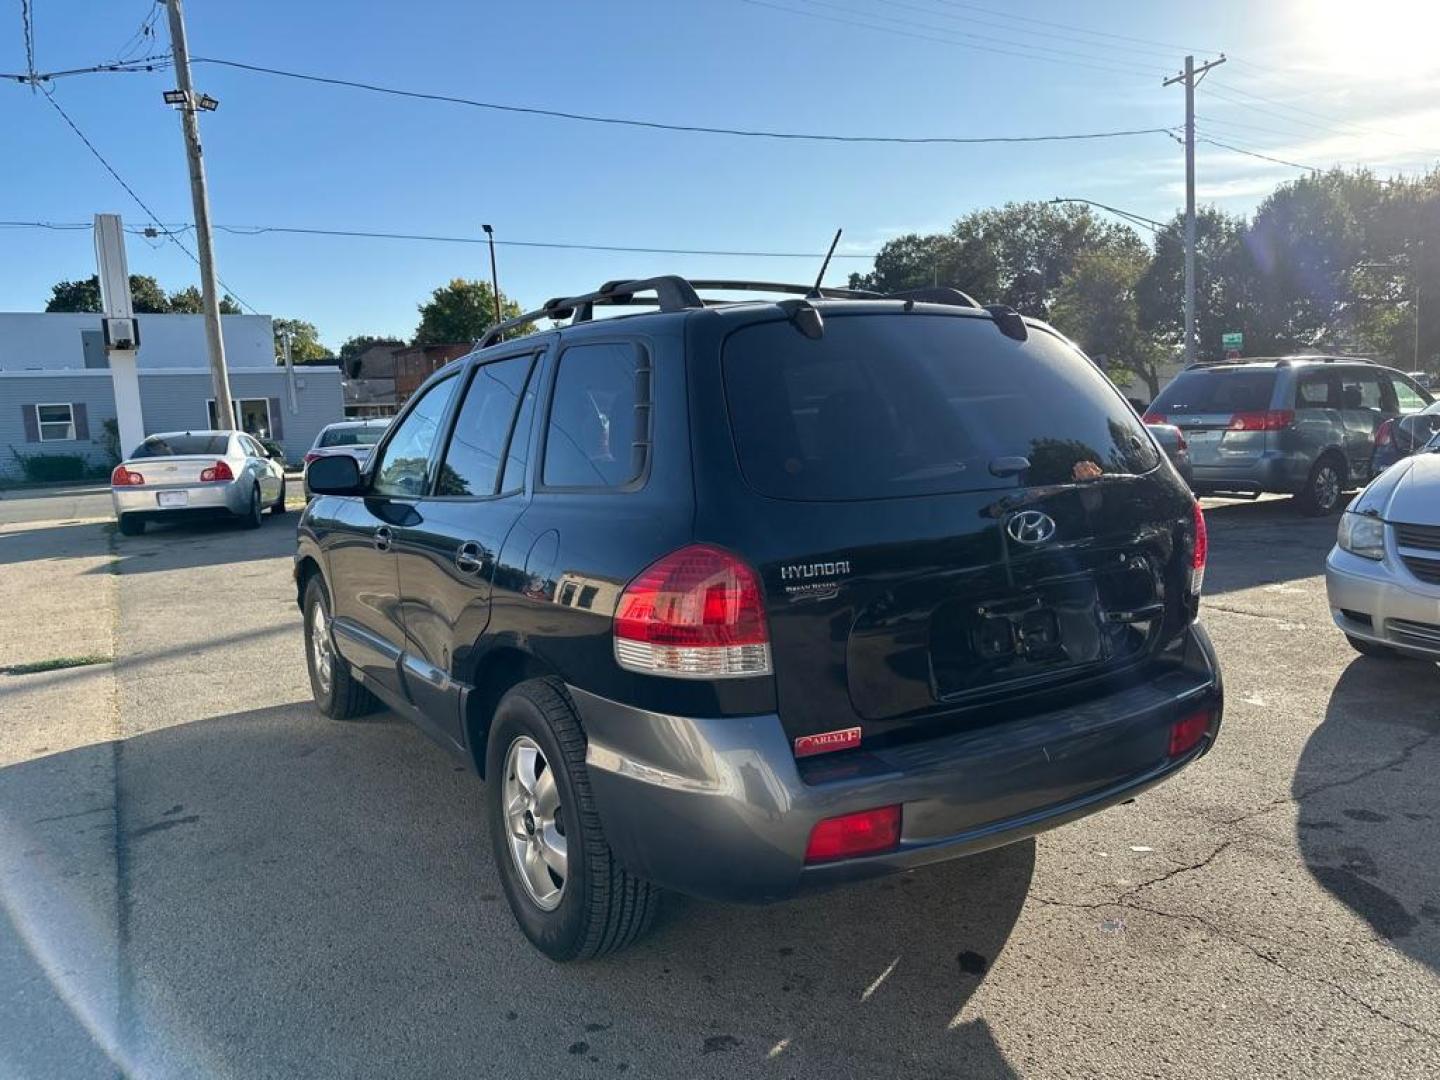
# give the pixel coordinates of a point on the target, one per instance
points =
(533, 827)
(1327, 487)
(322, 654)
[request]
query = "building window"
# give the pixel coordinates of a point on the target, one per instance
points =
(56, 423)
(252, 416)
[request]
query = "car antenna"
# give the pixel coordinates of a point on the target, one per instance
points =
(815, 293)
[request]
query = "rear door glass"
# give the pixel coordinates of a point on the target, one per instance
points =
(1314, 392)
(1194, 392)
(894, 405)
(1407, 398)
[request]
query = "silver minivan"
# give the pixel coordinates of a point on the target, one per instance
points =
(1299, 425)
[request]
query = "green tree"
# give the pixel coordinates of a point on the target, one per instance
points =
(1225, 285)
(356, 345)
(84, 295)
(460, 311)
(1097, 306)
(189, 301)
(305, 346)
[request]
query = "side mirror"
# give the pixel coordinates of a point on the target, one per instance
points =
(337, 474)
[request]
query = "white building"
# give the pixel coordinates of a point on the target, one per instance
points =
(56, 392)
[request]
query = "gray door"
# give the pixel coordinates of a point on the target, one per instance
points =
(1362, 406)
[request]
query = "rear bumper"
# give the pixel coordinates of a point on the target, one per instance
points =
(720, 808)
(230, 496)
(1269, 471)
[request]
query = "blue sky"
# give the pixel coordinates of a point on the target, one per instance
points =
(1308, 82)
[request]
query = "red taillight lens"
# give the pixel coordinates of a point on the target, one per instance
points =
(697, 613)
(1180, 443)
(865, 833)
(1386, 434)
(311, 455)
(1155, 418)
(123, 477)
(1269, 420)
(1201, 551)
(217, 472)
(1186, 733)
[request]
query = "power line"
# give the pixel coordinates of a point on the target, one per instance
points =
(987, 43)
(592, 118)
(1262, 157)
(158, 62)
(259, 230)
(145, 31)
(1168, 46)
(50, 97)
(991, 48)
(1331, 123)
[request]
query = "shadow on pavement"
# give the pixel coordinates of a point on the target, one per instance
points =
(1369, 816)
(295, 896)
(1263, 543)
(205, 543)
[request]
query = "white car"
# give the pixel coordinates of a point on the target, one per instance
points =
(355, 438)
(184, 474)
(1383, 575)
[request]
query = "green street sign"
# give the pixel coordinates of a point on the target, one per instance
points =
(1232, 339)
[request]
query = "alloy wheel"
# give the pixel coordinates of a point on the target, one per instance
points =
(322, 649)
(533, 824)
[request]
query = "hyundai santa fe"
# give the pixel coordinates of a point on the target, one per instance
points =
(746, 598)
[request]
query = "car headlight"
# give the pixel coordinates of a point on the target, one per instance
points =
(1362, 535)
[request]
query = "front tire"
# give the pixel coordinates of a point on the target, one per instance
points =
(566, 889)
(338, 694)
(1322, 491)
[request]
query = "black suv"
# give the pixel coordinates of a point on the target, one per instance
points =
(745, 598)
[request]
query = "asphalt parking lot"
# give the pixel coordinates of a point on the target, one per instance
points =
(201, 876)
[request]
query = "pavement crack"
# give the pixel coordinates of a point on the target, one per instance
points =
(1211, 606)
(1186, 869)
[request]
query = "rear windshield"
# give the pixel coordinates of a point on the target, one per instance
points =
(180, 445)
(356, 436)
(892, 405)
(1216, 392)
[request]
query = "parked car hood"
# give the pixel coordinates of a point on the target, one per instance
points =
(1408, 491)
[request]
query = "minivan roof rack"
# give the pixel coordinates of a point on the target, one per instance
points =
(675, 293)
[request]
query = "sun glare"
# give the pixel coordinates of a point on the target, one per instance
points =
(1396, 39)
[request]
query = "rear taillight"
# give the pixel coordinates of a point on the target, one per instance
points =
(217, 472)
(1180, 443)
(1200, 552)
(698, 613)
(1187, 732)
(1386, 434)
(866, 833)
(1155, 418)
(1269, 420)
(123, 477)
(311, 455)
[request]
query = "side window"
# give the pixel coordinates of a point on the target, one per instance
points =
(1313, 393)
(598, 417)
(253, 448)
(473, 459)
(1360, 390)
(1407, 398)
(406, 458)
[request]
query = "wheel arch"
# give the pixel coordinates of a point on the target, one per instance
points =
(498, 670)
(306, 568)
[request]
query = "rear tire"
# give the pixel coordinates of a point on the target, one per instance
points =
(600, 906)
(277, 508)
(1372, 648)
(1321, 494)
(338, 694)
(131, 524)
(252, 518)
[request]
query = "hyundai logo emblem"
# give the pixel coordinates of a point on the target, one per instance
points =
(1031, 527)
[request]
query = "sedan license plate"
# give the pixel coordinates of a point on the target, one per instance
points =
(170, 499)
(1204, 438)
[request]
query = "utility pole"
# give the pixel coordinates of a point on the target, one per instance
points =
(190, 106)
(494, 273)
(1190, 77)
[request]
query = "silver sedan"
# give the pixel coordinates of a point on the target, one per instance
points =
(184, 474)
(1383, 575)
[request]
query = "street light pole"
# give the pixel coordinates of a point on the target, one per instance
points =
(190, 106)
(494, 273)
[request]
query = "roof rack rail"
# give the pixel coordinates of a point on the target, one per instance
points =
(741, 285)
(672, 293)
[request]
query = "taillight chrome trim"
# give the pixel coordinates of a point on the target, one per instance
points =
(693, 662)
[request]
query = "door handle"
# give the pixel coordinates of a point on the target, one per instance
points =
(383, 538)
(470, 557)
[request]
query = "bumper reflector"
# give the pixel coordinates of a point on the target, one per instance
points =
(1186, 733)
(865, 833)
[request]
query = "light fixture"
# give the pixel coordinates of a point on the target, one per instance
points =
(175, 97)
(207, 103)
